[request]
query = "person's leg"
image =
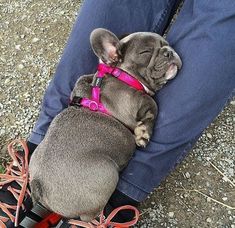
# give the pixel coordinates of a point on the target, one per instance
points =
(203, 35)
(121, 17)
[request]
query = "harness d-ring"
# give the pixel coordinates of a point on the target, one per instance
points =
(93, 106)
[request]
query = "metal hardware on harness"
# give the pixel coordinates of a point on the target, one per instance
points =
(97, 82)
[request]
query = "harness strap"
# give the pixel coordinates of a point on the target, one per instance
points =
(120, 75)
(94, 103)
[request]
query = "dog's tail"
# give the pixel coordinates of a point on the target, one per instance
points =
(36, 191)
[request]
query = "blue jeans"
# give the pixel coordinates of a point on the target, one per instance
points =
(203, 35)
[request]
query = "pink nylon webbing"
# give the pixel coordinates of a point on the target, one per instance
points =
(94, 103)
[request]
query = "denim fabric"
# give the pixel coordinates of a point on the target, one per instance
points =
(203, 35)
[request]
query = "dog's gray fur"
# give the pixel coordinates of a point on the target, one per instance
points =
(74, 170)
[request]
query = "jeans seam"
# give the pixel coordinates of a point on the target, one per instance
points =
(134, 185)
(37, 133)
(157, 26)
(185, 151)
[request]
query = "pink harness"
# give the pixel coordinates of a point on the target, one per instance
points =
(94, 103)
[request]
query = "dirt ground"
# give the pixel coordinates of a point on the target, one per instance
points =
(199, 193)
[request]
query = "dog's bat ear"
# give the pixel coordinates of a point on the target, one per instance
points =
(106, 46)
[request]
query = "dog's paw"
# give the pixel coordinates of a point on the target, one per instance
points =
(142, 135)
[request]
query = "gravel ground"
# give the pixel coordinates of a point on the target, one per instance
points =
(197, 194)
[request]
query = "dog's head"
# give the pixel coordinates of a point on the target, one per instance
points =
(145, 55)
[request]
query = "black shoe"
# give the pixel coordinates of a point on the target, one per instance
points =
(126, 214)
(16, 209)
(119, 199)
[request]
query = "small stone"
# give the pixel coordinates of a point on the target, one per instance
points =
(2, 132)
(20, 66)
(232, 102)
(22, 36)
(232, 226)
(23, 17)
(7, 80)
(209, 135)
(35, 40)
(231, 171)
(209, 220)
(2, 59)
(225, 179)
(27, 127)
(171, 214)
(208, 199)
(17, 47)
(225, 198)
(187, 174)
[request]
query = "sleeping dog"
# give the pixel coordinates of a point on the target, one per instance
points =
(75, 169)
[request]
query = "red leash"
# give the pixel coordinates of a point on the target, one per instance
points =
(105, 223)
(54, 218)
(17, 171)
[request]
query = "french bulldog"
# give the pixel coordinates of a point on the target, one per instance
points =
(75, 169)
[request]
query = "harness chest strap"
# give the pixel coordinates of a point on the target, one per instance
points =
(94, 103)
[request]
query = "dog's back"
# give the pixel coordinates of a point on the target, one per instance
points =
(76, 166)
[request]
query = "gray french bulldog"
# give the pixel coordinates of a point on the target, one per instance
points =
(75, 169)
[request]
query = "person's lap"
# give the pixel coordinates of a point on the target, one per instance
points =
(203, 37)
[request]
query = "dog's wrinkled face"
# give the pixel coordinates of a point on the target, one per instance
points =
(145, 55)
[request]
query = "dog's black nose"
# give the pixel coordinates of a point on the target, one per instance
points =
(168, 54)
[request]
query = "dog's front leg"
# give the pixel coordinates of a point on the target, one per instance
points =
(83, 86)
(145, 122)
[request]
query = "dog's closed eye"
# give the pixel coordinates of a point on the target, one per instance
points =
(145, 52)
